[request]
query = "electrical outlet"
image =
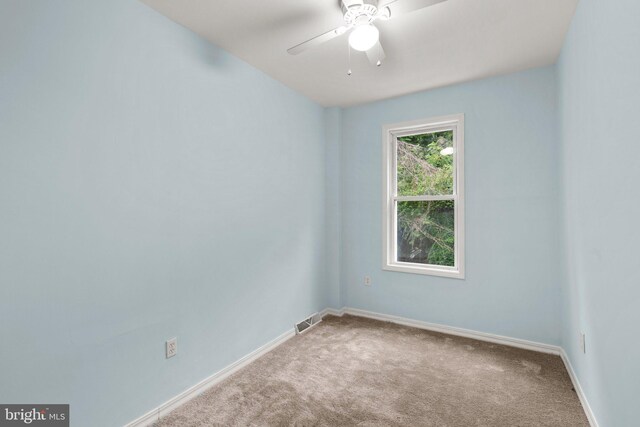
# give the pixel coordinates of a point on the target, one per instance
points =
(171, 347)
(367, 280)
(583, 342)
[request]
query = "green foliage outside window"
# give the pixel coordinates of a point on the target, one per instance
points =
(426, 228)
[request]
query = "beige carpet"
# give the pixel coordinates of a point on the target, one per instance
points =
(354, 371)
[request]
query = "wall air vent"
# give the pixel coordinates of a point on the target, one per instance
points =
(307, 323)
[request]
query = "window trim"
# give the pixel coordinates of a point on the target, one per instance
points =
(390, 133)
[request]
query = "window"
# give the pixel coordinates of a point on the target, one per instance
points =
(423, 201)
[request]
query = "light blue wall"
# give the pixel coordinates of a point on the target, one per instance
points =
(151, 186)
(512, 284)
(333, 194)
(599, 80)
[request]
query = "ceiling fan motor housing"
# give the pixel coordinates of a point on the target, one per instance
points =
(358, 12)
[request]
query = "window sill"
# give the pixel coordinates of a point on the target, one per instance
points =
(427, 270)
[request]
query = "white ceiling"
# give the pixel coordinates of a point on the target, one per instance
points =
(450, 42)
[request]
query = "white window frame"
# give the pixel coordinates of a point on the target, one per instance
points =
(390, 134)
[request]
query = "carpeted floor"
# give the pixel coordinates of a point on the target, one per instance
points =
(355, 371)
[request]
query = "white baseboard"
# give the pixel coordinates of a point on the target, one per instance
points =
(576, 385)
(451, 330)
(332, 312)
(154, 415)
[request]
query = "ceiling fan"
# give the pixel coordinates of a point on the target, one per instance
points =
(359, 17)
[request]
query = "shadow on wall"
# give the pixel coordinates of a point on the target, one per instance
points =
(208, 53)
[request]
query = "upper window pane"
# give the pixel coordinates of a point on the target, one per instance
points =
(425, 164)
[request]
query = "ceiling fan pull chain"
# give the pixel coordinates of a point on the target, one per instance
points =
(348, 59)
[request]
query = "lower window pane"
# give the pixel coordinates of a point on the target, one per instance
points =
(426, 232)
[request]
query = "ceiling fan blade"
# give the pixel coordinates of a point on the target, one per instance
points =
(316, 41)
(376, 54)
(400, 7)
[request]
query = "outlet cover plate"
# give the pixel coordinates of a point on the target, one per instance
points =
(171, 348)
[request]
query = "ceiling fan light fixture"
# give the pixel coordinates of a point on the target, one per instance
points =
(364, 37)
